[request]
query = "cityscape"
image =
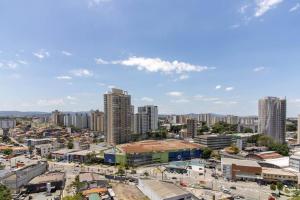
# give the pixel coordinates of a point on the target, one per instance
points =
(149, 100)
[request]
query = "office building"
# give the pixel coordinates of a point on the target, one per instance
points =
(117, 116)
(97, 121)
(272, 118)
(192, 125)
(214, 141)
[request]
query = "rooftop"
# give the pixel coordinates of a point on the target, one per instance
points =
(156, 146)
(65, 151)
(48, 178)
(164, 190)
(278, 172)
(247, 163)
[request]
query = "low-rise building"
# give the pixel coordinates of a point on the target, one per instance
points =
(234, 169)
(54, 180)
(295, 162)
(159, 190)
(273, 175)
(44, 149)
(214, 141)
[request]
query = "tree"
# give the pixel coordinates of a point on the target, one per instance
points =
(7, 152)
(206, 153)
(77, 184)
(273, 187)
(203, 129)
(5, 193)
(70, 145)
(121, 171)
(264, 140)
(234, 149)
(75, 197)
(279, 186)
(248, 130)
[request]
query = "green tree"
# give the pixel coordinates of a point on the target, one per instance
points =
(248, 130)
(7, 152)
(77, 184)
(70, 145)
(121, 171)
(206, 153)
(279, 186)
(273, 187)
(5, 193)
(75, 197)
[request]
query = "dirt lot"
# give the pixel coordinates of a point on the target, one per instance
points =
(128, 192)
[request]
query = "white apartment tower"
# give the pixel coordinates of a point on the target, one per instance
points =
(272, 118)
(117, 116)
(148, 118)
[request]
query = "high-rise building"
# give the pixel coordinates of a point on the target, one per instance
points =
(57, 118)
(97, 121)
(272, 118)
(80, 120)
(141, 123)
(117, 116)
(298, 135)
(192, 127)
(152, 112)
(68, 120)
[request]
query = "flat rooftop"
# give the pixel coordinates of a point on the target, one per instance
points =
(164, 190)
(48, 178)
(281, 172)
(157, 146)
(246, 163)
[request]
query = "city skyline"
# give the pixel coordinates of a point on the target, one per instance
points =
(217, 58)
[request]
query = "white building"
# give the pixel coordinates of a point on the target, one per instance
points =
(159, 190)
(272, 118)
(295, 162)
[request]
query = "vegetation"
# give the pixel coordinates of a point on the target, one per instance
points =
(273, 187)
(70, 144)
(203, 129)
(291, 126)
(77, 184)
(5, 193)
(233, 149)
(121, 171)
(223, 127)
(248, 130)
(264, 140)
(206, 153)
(7, 152)
(75, 197)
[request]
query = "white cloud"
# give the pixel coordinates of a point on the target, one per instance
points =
(174, 94)
(226, 102)
(180, 101)
(8, 64)
(158, 65)
(294, 8)
(82, 73)
(100, 61)
(147, 99)
(111, 86)
(263, 6)
(71, 98)
(41, 54)
(23, 62)
(92, 3)
(234, 26)
(243, 8)
(229, 88)
(63, 77)
(259, 69)
(50, 102)
(184, 77)
(218, 87)
(66, 53)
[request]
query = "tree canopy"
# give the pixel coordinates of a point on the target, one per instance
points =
(5, 193)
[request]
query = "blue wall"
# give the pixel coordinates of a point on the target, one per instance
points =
(109, 158)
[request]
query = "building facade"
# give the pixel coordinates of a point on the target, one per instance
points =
(117, 116)
(272, 118)
(192, 125)
(97, 121)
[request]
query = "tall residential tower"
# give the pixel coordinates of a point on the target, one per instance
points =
(272, 118)
(117, 116)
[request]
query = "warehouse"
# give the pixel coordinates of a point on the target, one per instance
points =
(152, 151)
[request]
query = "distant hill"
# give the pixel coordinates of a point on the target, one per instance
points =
(22, 114)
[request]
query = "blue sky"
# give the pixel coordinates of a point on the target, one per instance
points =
(182, 55)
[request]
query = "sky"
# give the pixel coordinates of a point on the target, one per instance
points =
(186, 56)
